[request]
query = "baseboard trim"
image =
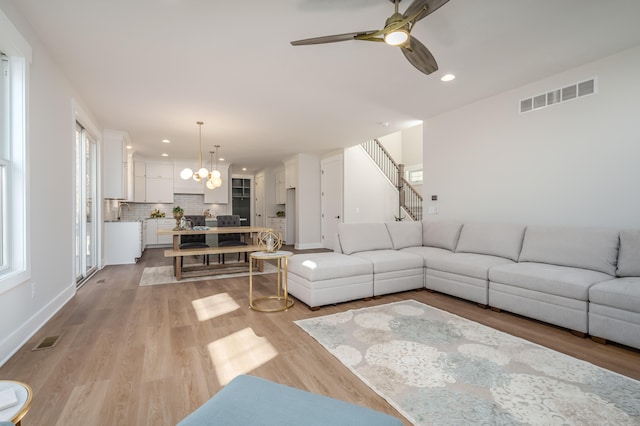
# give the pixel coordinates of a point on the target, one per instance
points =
(12, 343)
(308, 246)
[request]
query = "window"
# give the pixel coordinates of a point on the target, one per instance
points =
(414, 176)
(15, 54)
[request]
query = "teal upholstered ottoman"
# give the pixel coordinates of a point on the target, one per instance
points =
(249, 401)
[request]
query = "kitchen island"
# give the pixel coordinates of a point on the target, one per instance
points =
(122, 242)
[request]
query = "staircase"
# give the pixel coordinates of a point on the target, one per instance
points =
(409, 200)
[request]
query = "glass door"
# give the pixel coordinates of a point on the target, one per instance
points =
(85, 205)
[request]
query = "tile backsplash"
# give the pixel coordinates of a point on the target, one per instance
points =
(193, 204)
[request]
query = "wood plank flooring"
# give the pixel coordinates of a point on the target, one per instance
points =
(133, 355)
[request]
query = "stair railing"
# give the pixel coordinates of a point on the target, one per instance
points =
(409, 199)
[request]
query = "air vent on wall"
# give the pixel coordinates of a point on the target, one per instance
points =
(556, 96)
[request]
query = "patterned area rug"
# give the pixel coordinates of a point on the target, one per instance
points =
(437, 368)
(156, 275)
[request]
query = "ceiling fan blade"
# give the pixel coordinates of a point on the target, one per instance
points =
(419, 56)
(432, 6)
(332, 38)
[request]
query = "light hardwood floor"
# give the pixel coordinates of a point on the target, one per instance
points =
(133, 355)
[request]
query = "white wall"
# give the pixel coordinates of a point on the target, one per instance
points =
(412, 146)
(50, 161)
(368, 194)
(573, 163)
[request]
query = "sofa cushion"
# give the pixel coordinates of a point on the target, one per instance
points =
(405, 234)
(629, 256)
(620, 293)
(503, 240)
(326, 266)
(428, 252)
(443, 234)
(355, 237)
(561, 281)
(391, 260)
(468, 264)
(588, 248)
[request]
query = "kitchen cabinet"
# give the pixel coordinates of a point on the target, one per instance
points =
(291, 173)
(281, 189)
(241, 199)
(159, 183)
(186, 186)
(219, 195)
(152, 226)
(279, 226)
(240, 188)
(139, 182)
(122, 242)
(114, 145)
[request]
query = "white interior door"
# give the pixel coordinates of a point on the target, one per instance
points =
(331, 184)
(259, 219)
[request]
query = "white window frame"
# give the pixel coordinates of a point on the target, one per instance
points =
(413, 174)
(17, 269)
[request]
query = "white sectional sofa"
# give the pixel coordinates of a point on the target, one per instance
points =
(583, 279)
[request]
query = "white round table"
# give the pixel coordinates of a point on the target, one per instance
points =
(23, 394)
(283, 291)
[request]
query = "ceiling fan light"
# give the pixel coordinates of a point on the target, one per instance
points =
(397, 37)
(186, 173)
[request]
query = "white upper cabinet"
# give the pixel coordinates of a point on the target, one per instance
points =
(186, 186)
(139, 182)
(114, 143)
(281, 189)
(159, 183)
(291, 173)
(160, 170)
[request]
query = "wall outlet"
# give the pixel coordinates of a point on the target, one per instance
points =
(433, 210)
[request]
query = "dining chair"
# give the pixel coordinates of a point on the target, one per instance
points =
(197, 240)
(229, 240)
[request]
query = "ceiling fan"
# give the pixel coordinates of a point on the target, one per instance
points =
(396, 32)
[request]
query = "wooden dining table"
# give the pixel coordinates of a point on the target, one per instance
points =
(249, 235)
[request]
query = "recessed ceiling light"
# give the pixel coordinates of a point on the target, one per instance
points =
(384, 124)
(447, 77)
(164, 154)
(221, 159)
(244, 169)
(166, 141)
(129, 147)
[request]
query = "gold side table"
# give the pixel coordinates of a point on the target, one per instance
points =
(281, 257)
(23, 394)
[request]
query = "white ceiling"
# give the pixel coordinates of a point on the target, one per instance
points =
(155, 67)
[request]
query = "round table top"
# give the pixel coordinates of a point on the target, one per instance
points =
(24, 395)
(270, 254)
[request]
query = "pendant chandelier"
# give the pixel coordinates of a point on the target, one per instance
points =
(213, 179)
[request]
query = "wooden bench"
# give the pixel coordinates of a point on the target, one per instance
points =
(203, 270)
